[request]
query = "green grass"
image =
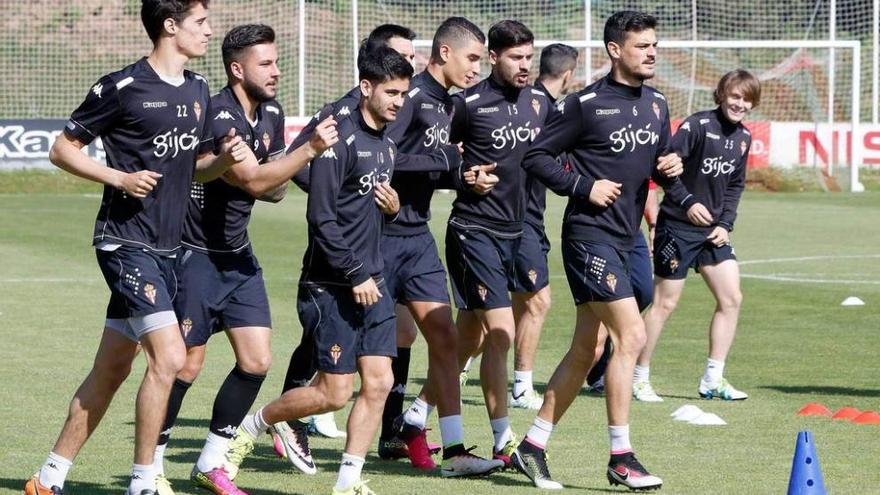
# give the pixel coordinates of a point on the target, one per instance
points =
(796, 344)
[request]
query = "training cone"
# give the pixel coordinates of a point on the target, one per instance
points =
(867, 418)
(852, 301)
(814, 409)
(847, 413)
(806, 475)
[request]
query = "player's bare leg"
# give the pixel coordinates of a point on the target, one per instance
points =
(723, 280)
(529, 311)
(667, 293)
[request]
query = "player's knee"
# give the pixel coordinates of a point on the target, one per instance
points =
(169, 363)
(664, 306)
(539, 304)
(378, 386)
(631, 342)
(499, 339)
(111, 374)
(731, 302)
(336, 396)
(256, 365)
(190, 370)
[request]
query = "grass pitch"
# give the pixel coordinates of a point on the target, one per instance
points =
(801, 255)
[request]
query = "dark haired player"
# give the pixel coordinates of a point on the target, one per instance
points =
(152, 117)
(496, 120)
(342, 296)
(221, 284)
(616, 134)
(714, 145)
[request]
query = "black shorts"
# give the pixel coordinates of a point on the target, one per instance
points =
(343, 329)
(641, 273)
(218, 292)
(413, 271)
(142, 286)
(532, 271)
(676, 250)
(481, 266)
(596, 272)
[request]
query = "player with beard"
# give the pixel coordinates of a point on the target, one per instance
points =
(342, 294)
(616, 134)
(152, 117)
(220, 282)
(496, 121)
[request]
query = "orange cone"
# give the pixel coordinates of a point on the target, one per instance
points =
(867, 418)
(847, 413)
(814, 409)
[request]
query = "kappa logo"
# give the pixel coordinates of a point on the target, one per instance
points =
(197, 109)
(656, 108)
(344, 111)
(335, 353)
(533, 275)
(228, 429)
(266, 140)
(686, 126)
(482, 291)
(224, 115)
(611, 280)
(186, 326)
(704, 121)
(536, 106)
(427, 106)
(399, 389)
(365, 154)
(155, 104)
(607, 111)
(150, 293)
(97, 88)
(329, 153)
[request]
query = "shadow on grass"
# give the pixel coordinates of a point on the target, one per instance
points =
(74, 487)
(823, 390)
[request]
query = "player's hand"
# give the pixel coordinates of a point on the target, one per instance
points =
(232, 148)
(386, 198)
(605, 192)
(699, 215)
(366, 293)
(325, 136)
(670, 165)
(719, 236)
(485, 180)
(139, 184)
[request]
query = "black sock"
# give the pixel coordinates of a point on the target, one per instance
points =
(394, 402)
(302, 367)
(234, 400)
(178, 391)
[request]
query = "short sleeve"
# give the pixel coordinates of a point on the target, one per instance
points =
(99, 112)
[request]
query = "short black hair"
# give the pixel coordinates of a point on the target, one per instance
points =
(556, 59)
(154, 13)
(242, 37)
(381, 34)
(383, 64)
(453, 30)
(508, 34)
(626, 21)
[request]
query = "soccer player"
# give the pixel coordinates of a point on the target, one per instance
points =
(496, 121)
(714, 145)
(342, 297)
(220, 280)
(616, 134)
(152, 117)
(531, 294)
(414, 273)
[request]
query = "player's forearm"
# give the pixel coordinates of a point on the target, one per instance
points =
(210, 166)
(275, 195)
(70, 158)
(652, 208)
(441, 159)
(270, 176)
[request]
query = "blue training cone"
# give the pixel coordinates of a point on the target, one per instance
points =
(806, 475)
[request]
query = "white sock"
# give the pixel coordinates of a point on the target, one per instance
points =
(467, 365)
(213, 453)
(254, 424)
(159, 459)
(539, 433)
(522, 383)
(619, 436)
(142, 478)
(714, 371)
(501, 431)
(54, 471)
(451, 430)
(417, 414)
(349, 471)
(642, 374)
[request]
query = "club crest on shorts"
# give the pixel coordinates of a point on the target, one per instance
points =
(611, 280)
(482, 291)
(536, 106)
(743, 147)
(673, 264)
(266, 140)
(533, 275)
(150, 293)
(335, 352)
(197, 109)
(186, 326)
(656, 108)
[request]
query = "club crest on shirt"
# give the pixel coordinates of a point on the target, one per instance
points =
(150, 293)
(611, 280)
(335, 352)
(656, 109)
(197, 109)
(266, 140)
(482, 291)
(536, 105)
(186, 326)
(533, 275)
(743, 147)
